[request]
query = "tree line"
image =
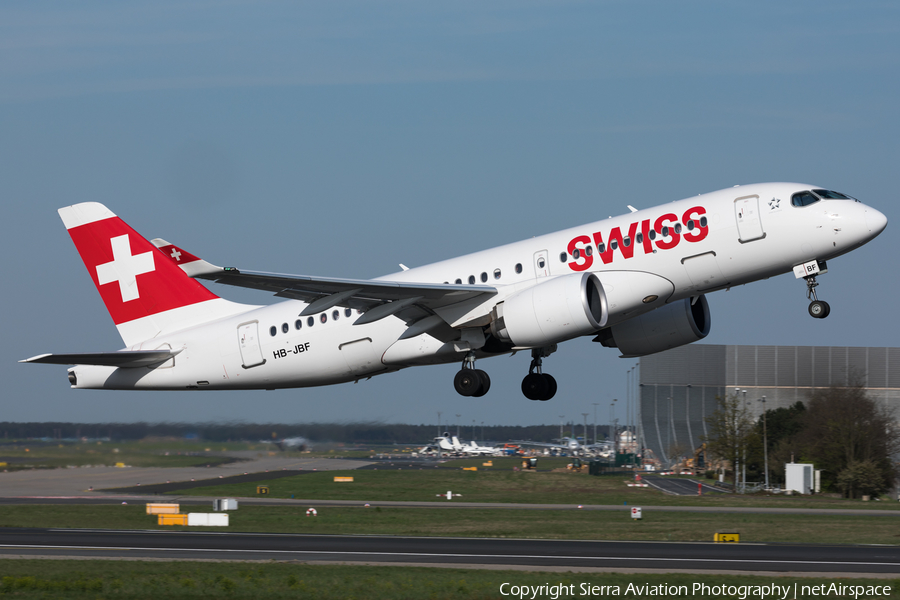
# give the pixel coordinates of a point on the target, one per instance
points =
(853, 439)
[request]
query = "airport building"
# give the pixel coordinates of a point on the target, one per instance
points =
(678, 388)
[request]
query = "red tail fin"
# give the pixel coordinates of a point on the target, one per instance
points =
(145, 293)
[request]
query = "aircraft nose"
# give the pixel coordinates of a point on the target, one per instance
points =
(875, 220)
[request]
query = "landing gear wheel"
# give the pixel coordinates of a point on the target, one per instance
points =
(470, 381)
(538, 385)
(467, 382)
(551, 387)
(485, 384)
(819, 309)
(535, 386)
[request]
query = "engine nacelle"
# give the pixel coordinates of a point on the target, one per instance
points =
(556, 310)
(670, 326)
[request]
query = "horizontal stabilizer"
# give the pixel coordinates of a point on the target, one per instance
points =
(124, 358)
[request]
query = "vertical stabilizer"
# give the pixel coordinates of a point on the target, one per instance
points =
(146, 294)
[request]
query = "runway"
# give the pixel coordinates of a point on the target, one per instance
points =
(679, 487)
(747, 558)
(88, 480)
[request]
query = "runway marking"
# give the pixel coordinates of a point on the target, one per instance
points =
(444, 555)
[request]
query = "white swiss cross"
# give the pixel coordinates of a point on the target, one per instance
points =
(176, 255)
(125, 268)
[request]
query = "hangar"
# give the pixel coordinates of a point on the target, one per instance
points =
(677, 389)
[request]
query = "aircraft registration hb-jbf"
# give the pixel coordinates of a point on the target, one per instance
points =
(635, 282)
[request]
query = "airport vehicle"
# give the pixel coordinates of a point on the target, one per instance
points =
(636, 282)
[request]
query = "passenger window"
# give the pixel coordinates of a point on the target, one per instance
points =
(639, 238)
(614, 244)
(496, 273)
(335, 314)
(652, 234)
(588, 250)
(484, 278)
(804, 199)
(324, 317)
(298, 324)
(677, 227)
(576, 253)
(627, 241)
(541, 263)
(690, 224)
(601, 248)
(310, 321)
(272, 331)
(348, 312)
(703, 221)
(459, 282)
(563, 257)
(665, 231)
(285, 328)
(519, 268)
(471, 280)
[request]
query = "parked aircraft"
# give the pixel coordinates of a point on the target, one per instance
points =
(450, 444)
(636, 282)
(570, 445)
(474, 449)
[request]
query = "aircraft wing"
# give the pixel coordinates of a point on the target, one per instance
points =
(538, 444)
(324, 292)
(123, 358)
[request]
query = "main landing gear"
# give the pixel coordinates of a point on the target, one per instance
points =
(818, 309)
(538, 385)
(473, 382)
(470, 381)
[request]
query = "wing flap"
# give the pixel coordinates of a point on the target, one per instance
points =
(124, 358)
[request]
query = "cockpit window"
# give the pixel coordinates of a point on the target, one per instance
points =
(832, 195)
(804, 199)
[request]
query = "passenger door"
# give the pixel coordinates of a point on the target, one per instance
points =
(746, 212)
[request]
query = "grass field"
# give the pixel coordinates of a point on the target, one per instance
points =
(137, 580)
(547, 524)
(501, 484)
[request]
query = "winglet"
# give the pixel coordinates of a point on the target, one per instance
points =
(190, 264)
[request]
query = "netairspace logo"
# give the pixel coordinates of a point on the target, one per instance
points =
(740, 592)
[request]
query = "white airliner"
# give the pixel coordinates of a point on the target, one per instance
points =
(569, 445)
(451, 445)
(635, 282)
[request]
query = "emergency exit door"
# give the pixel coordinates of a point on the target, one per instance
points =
(248, 340)
(746, 212)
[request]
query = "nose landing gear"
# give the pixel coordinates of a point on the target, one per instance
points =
(470, 381)
(818, 309)
(538, 385)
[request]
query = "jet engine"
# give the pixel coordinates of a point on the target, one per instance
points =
(569, 306)
(556, 310)
(670, 326)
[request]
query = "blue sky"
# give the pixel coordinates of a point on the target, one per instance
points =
(342, 138)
